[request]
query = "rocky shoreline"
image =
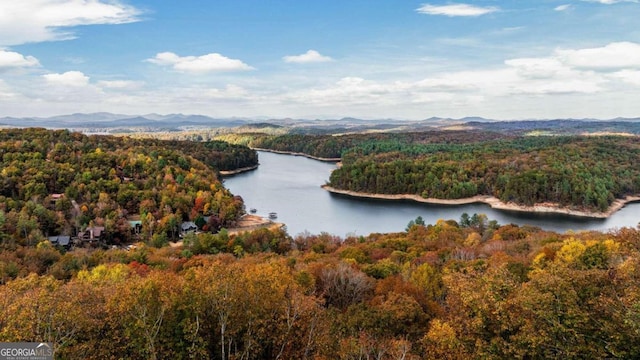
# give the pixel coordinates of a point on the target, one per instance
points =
(495, 203)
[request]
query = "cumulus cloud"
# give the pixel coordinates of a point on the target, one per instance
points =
(27, 21)
(10, 59)
(614, 56)
(523, 78)
(199, 64)
(310, 56)
(69, 78)
(564, 7)
(456, 10)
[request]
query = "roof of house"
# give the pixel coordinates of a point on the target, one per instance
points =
(62, 240)
(96, 230)
(188, 225)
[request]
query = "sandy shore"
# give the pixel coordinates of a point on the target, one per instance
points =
(299, 154)
(253, 222)
(495, 203)
(238, 171)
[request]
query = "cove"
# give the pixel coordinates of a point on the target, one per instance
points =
(290, 186)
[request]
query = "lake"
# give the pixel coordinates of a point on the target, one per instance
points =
(290, 186)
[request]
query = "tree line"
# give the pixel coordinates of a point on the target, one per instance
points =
(334, 146)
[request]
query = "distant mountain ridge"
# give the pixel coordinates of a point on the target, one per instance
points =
(103, 120)
(110, 122)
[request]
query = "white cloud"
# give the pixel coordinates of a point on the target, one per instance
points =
(560, 83)
(520, 86)
(614, 56)
(26, 21)
(6, 93)
(456, 10)
(199, 64)
(520, 77)
(628, 76)
(69, 78)
(120, 84)
(310, 56)
(537, 68)
(489, 81)
(564, 7)
(10, 59)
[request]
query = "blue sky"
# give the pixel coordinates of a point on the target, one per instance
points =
(401, 59)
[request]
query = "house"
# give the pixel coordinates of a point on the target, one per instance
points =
(188, 227)
(136, 226)
(55, 198)
(61, 240)
(92, 233)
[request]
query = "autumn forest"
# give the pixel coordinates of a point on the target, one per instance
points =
(458, 289)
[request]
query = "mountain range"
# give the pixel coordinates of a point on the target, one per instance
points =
(104, 122)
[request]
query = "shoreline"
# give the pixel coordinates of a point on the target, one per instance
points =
(494, 203)
(250, 222)
(237, 171)
(332, 160)
(246, 223)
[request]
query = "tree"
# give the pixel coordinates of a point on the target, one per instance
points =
(2, 221)
(26, 225)
(465, 220)
(342, 285)
(42, 309)
(419, 221)
(147, 306)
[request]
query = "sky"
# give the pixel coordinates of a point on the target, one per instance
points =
(370, 59)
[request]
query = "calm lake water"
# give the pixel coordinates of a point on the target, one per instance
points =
(290, 186)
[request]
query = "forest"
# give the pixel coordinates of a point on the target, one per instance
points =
(452, 290)
(60, 183)
(576, 172)
(334, 146)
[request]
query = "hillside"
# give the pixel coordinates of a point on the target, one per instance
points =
(61, 183)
